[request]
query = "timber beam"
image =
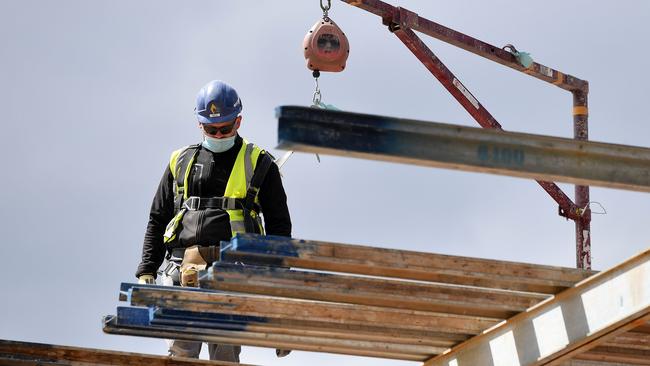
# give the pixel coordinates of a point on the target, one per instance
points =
(616, 355)
(273, 310)
(269, 340)
(243, 330)
(407, 306)
(569, 324)
(13, 353)
(465, 148)
(403, 264)
(372, 332)
(443, 298)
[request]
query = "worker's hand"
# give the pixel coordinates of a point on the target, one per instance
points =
(146, 279)
(189, 277)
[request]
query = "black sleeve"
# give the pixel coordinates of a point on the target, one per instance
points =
(274, 204)
(162, 211)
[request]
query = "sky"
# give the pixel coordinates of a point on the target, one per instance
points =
(94, 96)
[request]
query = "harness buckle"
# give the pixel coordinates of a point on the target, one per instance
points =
(193, 203)
(229, 203)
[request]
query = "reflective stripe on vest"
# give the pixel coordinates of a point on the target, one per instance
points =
(238, 183)
(180, 191)
(237, 186)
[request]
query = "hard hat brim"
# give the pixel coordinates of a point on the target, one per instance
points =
(207, 120)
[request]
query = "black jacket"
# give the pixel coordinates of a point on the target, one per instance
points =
(273, 202)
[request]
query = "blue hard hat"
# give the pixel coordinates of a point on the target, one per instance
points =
(217, 102)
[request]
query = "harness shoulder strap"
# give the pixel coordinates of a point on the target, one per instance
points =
(258, 177)
(253, 225)
(179, 156)
(180, 165)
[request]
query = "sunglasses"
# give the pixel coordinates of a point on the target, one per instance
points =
(212, 130)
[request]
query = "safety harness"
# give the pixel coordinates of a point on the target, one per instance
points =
(240, 199)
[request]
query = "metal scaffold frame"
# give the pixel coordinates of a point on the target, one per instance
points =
(403, 22)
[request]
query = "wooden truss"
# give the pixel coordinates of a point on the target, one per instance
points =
(438, 309)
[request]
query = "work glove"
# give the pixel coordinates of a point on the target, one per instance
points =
(189, 277)
(193, 262)
(146, 279)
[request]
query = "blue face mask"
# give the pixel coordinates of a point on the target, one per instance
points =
(218, 145)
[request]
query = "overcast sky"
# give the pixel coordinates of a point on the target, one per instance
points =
(94, 95)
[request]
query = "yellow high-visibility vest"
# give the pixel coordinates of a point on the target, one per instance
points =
(237, 187)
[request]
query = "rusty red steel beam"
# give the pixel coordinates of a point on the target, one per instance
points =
(583, 224)
(473, 106)
(406, 18)
(446, 77)
(400, 19)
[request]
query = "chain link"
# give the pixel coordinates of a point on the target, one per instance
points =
(317, 95)
(326, 8)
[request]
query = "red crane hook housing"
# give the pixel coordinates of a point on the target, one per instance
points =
(326, 46)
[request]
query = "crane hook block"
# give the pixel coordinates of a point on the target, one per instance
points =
(326, 46)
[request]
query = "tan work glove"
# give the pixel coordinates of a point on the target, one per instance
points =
(193, 262)
(146, 279)
(189, 277)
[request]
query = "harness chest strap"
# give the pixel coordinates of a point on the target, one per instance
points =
(194, 203)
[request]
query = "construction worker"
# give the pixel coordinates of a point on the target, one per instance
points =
(208, 193)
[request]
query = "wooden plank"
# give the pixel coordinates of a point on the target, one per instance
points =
(399, 294)
(601, 341)
(357, 259)
(260, 339)
(305, 310)
(628, 348)
(621, 355)
(633, 340)
(237, 326)
(312, 336)
(568, 324)
(367, 332)
(441, 145)
(643, 328)
(27, 353)
(593, 363)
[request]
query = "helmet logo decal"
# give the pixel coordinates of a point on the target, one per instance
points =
(214, 111)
